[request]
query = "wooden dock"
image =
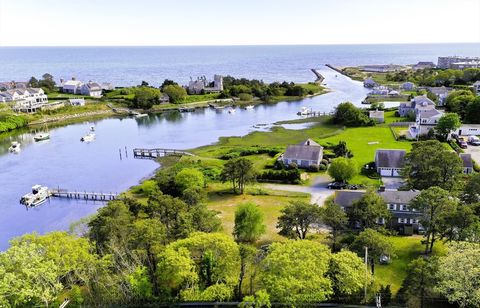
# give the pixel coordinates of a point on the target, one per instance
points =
(94, 196)
(155, 153)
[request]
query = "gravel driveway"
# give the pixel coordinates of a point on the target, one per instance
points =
(318, 190)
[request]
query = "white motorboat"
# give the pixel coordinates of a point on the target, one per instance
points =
(141, 115)
(41, 136)
(38, 195)
(232, 110)
(249, 107)
(88, 137)
(14, 147)
(304, 111)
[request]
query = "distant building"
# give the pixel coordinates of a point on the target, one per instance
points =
(417, 104)
(369, 83)
(106, 86)
(78, 87)
(70, 86)
(304, 155)
(458, 62)
(408, 86)
(201, 85)
(423, 65)
(467, 163)
(441, 93)
(404, 219)
(92, 89)
(164, 99)
(389, 162)
(476, 86)
(377, 115)
(468, 130)
(9, 85)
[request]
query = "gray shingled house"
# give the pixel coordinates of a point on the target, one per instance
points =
(304, 154)
(405, 219)
(389, 162)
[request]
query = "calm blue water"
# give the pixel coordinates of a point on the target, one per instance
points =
(130, 65)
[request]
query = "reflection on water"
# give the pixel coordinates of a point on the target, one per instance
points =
(65, 162)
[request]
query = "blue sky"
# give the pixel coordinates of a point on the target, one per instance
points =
(239, 22)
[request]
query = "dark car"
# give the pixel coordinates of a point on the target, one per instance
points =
(337, 185)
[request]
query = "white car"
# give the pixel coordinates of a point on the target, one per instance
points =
(473, 140)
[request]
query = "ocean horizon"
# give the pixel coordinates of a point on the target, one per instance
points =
(130, 65)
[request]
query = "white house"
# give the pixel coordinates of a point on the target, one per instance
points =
(304, 155)
(426, 120)
(202, 85)
(27, 100)
(92, 89)
(377, 115)
(71, 86)
(389, 162)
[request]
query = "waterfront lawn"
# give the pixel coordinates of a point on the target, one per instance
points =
(407, 249)
(221, 200)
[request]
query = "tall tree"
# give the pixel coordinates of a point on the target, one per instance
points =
(471, 192)
(433, 202)
(419, 284)
(448, 123)
(176, 93)
(342, 169)
(239, 172)
(297, 218)
(249, 224)
(341, 150)
(334, 217)
(369, 210)
(459, 274)
(431, 164)
(296, 272)
(472, 111)
(145, 97)
(347, 273)
(378, 245)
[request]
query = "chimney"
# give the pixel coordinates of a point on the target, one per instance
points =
(73, 78)
(381, 189)
(61, 80)
(308, 142)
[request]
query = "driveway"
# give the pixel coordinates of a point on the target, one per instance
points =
(392, 182)
(318, 190)
(474, 151)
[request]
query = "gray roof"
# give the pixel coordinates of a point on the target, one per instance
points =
(346, 198)
(430, 113)
(477, 83)
(439, 90)
(303, 152)
(390, 158)
(467, 160)
(309, 142)
(421, 99)
(406, 104)
(396, 196)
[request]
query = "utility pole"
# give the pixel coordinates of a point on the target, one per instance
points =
(366, 274)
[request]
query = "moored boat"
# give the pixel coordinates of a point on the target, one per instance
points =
(41, 136)
(249, 107)
(88, 137)
(304, 111)
(232, 110)
(14, 147)
(38, 195)
(141, 115)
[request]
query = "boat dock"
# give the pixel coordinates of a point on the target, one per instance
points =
(155, 153)
(95, 196)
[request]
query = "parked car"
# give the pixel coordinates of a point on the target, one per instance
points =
(462, 143)
(337, 185)
(474, 140)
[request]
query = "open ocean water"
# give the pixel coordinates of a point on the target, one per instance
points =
(125, 66)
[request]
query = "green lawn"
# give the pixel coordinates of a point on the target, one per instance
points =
(407, 248)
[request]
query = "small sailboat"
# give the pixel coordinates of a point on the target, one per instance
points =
(41, 136)
(88, 137)
(38, 195)
(14, 147)
(249, 107)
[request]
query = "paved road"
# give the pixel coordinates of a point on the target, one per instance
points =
(317, 190)
(475, 152)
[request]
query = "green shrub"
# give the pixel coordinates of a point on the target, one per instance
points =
(322, 167)
(245, 97)
(313, 168)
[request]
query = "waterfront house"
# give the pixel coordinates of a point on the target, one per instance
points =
(405, 219)
(476, 87)
(369, 83)
(202, 85)
(305, 154)
(408, 86)
(467, 163)
(441, 93)
(377, 115)
(92, 89)
(27, 100)
(389, 162)
(71, 86)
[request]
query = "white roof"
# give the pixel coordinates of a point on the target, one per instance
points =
(72, 83)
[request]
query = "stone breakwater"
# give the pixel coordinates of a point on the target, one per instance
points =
(70, 116)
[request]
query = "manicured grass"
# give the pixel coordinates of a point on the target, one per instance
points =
(225, 203)
(407, 248)
(200, 98)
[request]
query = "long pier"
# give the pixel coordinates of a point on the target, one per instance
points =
(155, 153)
(95, 196)
(320, 77)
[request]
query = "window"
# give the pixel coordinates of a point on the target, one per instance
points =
(402, 220)
(403, 207)
(413, 221)
(392, 207)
